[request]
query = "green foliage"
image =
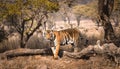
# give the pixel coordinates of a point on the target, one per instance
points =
(19, 6)
(116, 11)
(43, 4)
(10, 8)
(25, 9)
(117, 5)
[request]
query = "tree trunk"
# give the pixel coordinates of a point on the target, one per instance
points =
(78, 20)
(105, 8)
(26, 37)
(22, 35)
(116, 20)
(109, 32)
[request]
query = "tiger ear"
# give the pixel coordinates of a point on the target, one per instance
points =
(53, 28)
(51, 31)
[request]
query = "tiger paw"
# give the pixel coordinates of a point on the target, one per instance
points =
(56, 57)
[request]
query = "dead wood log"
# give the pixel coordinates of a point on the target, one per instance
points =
(108, 49)
(26, 52)
(68, 47)
(78, 55)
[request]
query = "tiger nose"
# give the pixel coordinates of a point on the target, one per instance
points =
(49, 38)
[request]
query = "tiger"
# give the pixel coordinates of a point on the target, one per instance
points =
(67, 36)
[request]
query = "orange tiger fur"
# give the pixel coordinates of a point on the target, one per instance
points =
(63, 37)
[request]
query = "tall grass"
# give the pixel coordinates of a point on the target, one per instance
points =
(35, 42)
(9, 45)
(38, 43)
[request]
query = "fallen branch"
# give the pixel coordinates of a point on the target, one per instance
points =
(106, 49)
(26, 52)
(78, 55)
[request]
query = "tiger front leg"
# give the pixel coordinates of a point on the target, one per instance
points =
(53, 49)
(56, 49)
(56, 52)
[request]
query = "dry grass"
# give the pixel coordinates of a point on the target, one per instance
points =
(33, 43)
(47, 62)
(38, 43)
(8, 45)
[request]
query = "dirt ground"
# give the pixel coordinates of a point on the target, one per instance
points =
(47, 62)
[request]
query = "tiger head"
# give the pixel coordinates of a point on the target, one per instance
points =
(49, 35)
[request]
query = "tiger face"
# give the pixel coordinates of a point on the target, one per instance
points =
(48, 34)
(63, 37)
